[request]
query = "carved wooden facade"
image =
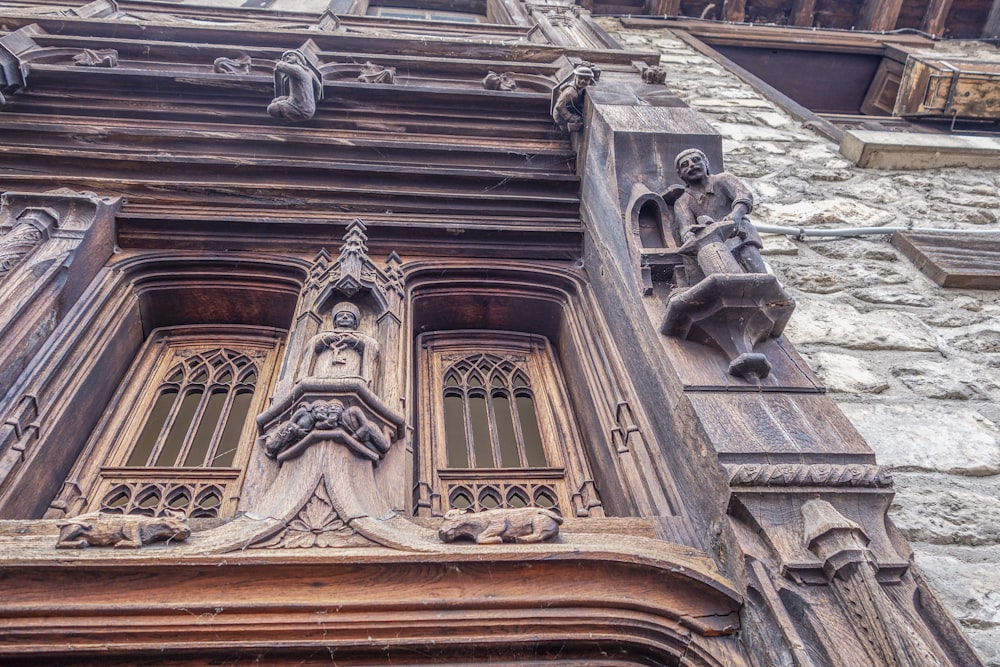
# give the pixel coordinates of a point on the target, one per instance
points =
(316, 333)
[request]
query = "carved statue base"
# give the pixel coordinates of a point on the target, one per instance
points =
(733, 313)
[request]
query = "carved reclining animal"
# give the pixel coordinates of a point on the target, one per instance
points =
(527, 524)
(122, 532)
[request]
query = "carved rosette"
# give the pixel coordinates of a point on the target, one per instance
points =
(317, 524)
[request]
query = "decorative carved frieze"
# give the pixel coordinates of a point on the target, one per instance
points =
(524, 525)
(122, 532)
(796, 474)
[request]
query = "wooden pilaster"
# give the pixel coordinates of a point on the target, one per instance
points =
(802, 12)
(879, 14)
(663, 7)
(935, 17)
(992, 27)
(734, 10)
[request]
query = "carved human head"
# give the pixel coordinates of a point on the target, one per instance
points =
(691, 164)
(583, 77)
(294, 56)
(326, 409)
(346, 315)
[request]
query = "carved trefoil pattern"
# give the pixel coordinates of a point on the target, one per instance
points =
(197, 499)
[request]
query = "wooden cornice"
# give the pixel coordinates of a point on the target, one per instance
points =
(652, 598)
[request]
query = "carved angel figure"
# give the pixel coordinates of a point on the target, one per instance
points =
(298, 86)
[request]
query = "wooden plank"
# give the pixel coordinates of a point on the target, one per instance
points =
(992, 27)
(879, 14)
(734, 10)
(802, 12)
(936, 16)
(967, 260)
(664, 7)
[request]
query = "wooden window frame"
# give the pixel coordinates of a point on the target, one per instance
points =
(488, 488)
(102, 473)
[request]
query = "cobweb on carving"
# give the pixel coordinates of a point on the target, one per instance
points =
(317, 524)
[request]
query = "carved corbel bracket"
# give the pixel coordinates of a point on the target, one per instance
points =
(733, 313)
(15, 49)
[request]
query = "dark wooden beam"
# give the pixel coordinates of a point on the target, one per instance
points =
(802, 12)
(663, 7)
(879, 14)
(734, 10)
(935, 17)
(992, 27)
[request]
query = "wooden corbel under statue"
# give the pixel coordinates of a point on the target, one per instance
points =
(728, 300)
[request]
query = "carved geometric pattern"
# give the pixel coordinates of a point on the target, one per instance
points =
(317, 524)
(197, 500)
(795, 474)
(501, 495)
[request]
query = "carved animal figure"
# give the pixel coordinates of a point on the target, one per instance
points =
(122, 532)
(527, 524)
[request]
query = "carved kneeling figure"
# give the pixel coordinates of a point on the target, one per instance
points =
(122, 532)
(527, 524)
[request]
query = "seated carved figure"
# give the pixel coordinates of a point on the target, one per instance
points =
(567, 111)
(347, 425)
(525, 524)
(122, 532)
(297, 87)
(710, 216)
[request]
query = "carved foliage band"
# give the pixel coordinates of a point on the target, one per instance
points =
(809, 475)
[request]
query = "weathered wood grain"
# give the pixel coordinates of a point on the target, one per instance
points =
(966, 260)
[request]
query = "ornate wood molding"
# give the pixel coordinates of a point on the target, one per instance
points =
(800, 474)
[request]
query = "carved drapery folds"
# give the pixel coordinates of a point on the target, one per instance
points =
(30, 228)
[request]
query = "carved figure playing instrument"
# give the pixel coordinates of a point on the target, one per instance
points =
(298, 86)
(711, 217)
(523, 525)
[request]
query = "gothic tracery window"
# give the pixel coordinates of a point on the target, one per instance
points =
(497, 430)
(178, 433)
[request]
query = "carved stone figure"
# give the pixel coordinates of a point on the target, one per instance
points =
(656, 75)
(524, 525)
(239, 65)
(710, 215)
(330, 420)
(98, 58)
(344, 352)
(122, 532)
(298, 85)
(372, 73)
(504, 81)
(567, 111)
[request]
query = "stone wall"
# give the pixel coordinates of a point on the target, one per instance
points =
(914, 366)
